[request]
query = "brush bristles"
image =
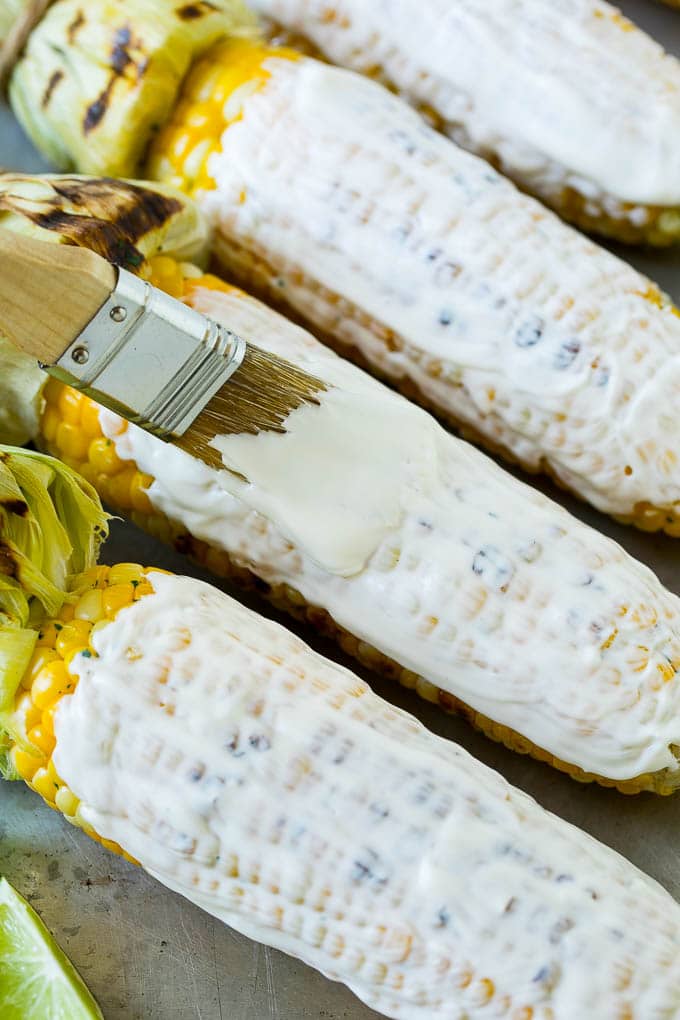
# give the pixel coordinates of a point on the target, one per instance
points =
(259, 397)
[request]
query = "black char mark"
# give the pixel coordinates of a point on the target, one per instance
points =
(120, 60)
(110, 219)
(189, 12)
(76, 24)
(55, 78)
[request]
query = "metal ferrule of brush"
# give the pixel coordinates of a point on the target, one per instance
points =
(150, 358)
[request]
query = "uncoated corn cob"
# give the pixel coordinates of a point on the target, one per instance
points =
(478, 609)
(334, 199)
(571, 100)
(276, 791)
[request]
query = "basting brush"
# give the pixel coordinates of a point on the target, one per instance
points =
(139, 352)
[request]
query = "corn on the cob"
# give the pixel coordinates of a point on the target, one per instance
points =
(276, 791)
(459, 600)
(332, 198)
(571, 100)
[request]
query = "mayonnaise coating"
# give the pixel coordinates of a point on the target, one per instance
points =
(565, 93)
(482, 586)
(272, 788)
(385, 235)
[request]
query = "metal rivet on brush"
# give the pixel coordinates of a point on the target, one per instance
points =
(80, 355)
(118, 313)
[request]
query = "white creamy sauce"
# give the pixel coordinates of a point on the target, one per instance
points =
(386, 446)
(504, 317)
(485, 588)
(275, 790)
(553, 87)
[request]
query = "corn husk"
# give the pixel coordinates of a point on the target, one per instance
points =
(97, 79)
(125, 221)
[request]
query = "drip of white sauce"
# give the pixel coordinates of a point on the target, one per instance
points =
(535, 82)
(275, 790)
(485, 588)
(503, 317)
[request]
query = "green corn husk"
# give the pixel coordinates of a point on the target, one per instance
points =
(97, 79)
(51, 526)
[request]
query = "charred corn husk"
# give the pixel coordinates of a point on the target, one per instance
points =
(571, 100)
(124, 221)
(272, 788)
(332, 198)
(473, 589)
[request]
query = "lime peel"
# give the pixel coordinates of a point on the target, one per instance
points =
(37, 980)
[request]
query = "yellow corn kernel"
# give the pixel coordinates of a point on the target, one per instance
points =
(166, 274)
(52, 683)
(47, 635)
(120, 487)
(26, 712)
(89, 606)
(66, 612)
(74, 634)
(71, 441)
(40, 658)
(43, 783)
(138, 493)
(103, 457)
(126, 573)
(89, 418)
(69, 402)
(26, 764)
(47, 721)
(50, 422)
(117, 597)
(66, 802)
(40, 738)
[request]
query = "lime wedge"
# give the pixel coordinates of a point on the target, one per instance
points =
(37, 982)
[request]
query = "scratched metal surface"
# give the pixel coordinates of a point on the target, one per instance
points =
(148, 954)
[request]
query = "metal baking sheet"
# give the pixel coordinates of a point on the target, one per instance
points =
(148, 954)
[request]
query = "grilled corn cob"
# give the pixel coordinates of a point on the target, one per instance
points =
(571, 100)
(276, 791)
(332, 198)
(462, 595)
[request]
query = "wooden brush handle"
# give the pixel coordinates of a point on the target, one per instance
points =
(48, 293)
